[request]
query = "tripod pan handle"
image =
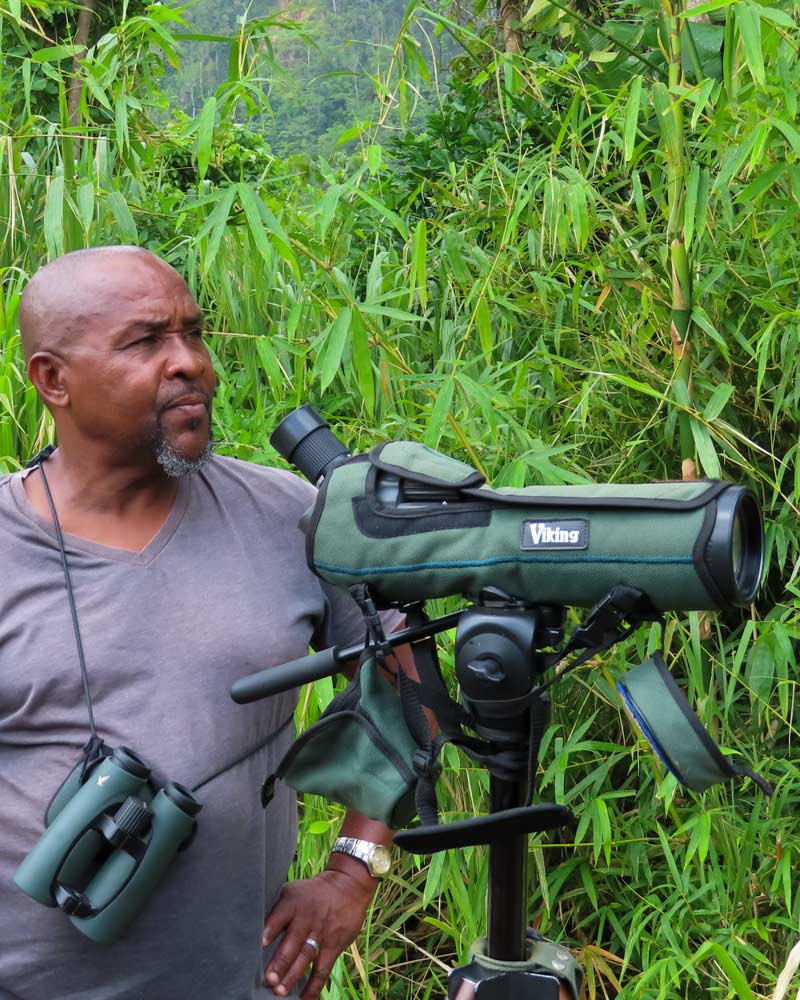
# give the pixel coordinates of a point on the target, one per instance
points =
(286, 676)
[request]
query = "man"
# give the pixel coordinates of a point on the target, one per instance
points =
(188, 572)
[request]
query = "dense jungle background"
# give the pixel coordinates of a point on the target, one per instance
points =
(557, 239)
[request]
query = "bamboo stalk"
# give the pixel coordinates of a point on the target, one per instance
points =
(672, 127)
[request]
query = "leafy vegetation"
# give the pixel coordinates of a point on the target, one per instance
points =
(582, 266)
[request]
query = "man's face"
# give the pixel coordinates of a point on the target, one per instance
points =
(140, 376)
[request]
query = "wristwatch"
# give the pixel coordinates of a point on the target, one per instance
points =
(375, 856)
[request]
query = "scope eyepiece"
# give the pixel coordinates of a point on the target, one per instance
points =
(307, 442)
(734, 551)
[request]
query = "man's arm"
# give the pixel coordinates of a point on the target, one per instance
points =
(330, 908)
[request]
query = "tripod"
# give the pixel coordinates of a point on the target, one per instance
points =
(500, 654)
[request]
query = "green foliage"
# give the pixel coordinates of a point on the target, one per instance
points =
(315, 67)
(499, 284)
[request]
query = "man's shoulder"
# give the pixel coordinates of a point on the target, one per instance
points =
(235, 479)
(224, 467)
(6, 478)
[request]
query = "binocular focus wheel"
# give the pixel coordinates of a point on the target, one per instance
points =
(128, 822)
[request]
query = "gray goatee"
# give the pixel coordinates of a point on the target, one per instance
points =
(177, 465)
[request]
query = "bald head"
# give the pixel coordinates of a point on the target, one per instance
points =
(75, 291)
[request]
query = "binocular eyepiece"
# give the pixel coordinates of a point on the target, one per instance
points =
(110, 836)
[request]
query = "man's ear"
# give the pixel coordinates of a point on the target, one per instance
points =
(46, 372)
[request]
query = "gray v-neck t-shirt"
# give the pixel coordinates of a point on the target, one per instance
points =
(221, 591)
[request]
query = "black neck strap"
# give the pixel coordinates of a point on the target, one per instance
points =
(38, 462)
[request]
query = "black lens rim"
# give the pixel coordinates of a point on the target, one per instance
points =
(737, 505)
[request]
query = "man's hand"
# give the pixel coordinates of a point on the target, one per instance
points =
(330, 909)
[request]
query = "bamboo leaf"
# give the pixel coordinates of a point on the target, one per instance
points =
(690, 203)
(85, 199)
(789, 132)
(728, 966)
(439, 413)
(275, 374)
(251, 210)
(329, 358)
(774, 14)
(122, 216)
(121, 122)
(54, 53)
(701, 100)
(419, 262)
(705, 450)
(374, 158)
(54, 217)
(701, 318)
(484, 322)
(363, 363)
(216, 224)
(707, 8)
(762, 183)
(370, 309)
(95, 88)
(452, 246)
(275, 229)
(749, 25)
(719, 400)
(632, 118)
(326, 208)
(205, 135)
(384, 210)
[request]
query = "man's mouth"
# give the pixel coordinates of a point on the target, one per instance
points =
(192, 404)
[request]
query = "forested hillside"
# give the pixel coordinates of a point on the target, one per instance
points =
(580, 265)
(325, 59)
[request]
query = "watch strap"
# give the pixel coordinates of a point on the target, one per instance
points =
(364, 851)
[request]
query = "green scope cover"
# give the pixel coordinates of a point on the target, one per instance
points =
(360, 753)
(565, 545)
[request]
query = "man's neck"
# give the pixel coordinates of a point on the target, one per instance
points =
(121, 506)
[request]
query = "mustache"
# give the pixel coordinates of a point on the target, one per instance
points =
(186, 393)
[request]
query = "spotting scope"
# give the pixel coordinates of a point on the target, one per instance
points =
(414, 524)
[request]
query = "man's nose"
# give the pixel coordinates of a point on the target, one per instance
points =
(185, 358)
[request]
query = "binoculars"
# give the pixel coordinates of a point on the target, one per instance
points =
(110, 836)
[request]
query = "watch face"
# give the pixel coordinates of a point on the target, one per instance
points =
(381, 860)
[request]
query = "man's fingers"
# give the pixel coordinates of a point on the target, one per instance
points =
(294, 952)
(320, 975)
(277, 920)
(297, 969)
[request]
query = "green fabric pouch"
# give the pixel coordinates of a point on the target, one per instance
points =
(360, 753)
(672, 728)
